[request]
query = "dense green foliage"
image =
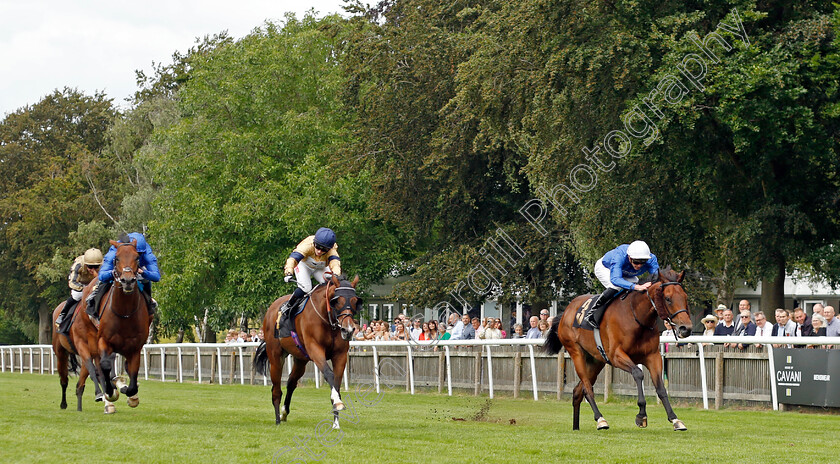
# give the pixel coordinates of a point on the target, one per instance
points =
(420, 130)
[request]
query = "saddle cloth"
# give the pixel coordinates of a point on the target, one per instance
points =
(579, 322)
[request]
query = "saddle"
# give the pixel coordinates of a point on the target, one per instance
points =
(64, 328)
(285, 325)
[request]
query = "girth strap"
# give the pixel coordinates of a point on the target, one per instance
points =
(600, 345)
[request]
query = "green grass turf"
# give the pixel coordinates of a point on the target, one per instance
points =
(184, 423)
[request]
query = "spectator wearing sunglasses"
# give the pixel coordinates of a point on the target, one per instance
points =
(620, 269)
(84, 269)
(745, 326)
(311, 259)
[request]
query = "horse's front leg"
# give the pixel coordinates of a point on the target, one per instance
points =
(320, 360)
(621, 360)
(106, 362)
(132, 367)
(654, 365)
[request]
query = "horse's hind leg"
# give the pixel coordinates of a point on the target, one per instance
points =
(654, 365)
(80, 386)
(577, 398)
(587, 369)
(276, 373)
(298, 369)
(62, 374)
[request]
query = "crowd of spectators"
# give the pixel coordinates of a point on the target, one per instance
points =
(239, 336)
(796, 323)
(454, 328)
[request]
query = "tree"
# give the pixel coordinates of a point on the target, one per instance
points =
(47, 153)
(247, 170)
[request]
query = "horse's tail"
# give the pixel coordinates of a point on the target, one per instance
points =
(261, 359)
(552, 344)
(74, 364)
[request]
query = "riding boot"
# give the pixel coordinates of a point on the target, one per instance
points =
(71, 302)
(596, 312)
(287, 307)
(94, 298)
(151, 304)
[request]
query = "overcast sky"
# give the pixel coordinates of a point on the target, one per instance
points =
(97, 44)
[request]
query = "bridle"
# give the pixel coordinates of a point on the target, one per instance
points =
(663, 313)
(118, 275)
(122, 282)
(336, 315)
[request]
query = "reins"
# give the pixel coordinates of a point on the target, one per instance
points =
(333, 320)
(668, 316)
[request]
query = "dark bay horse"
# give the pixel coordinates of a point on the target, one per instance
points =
(324, 329)
(124, 325)
(630, 337)
(63, 346)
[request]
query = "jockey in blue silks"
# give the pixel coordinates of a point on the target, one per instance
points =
(619, 270)
(147, 269)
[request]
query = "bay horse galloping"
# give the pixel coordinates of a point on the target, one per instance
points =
(66, 349)
(324, 329)
(124, 323)
(630, 337)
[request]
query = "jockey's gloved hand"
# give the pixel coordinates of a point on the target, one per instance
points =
(288, 278)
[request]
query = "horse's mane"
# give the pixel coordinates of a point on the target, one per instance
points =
(669, 274)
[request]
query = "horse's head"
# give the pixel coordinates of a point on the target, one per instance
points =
(345, 303)
(126, 263)
(671, 301)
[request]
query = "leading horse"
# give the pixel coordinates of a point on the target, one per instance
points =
(324, 329)
(630, 337)
(124, 323)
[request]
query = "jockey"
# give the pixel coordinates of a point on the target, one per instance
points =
(147, 269)
(310, 259)
(84, 269)
(620, 269)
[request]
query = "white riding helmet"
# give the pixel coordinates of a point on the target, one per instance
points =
(638, 250)
(93, 257)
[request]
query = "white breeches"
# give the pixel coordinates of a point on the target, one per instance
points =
(76, 295)
(304, 273)
(603, 275)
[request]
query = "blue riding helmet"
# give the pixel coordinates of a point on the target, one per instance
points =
(324, 238)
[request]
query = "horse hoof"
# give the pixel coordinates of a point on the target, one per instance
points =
(679, 426)
(641, 421)
(63, 405)
(133, 401)
(602, 424)
(99, 397)
(338, 406)
(110, 408)
(114, 397)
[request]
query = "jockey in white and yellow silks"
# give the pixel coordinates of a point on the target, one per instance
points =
(315, 257)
